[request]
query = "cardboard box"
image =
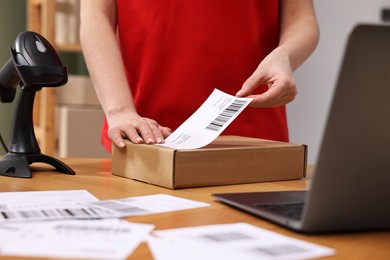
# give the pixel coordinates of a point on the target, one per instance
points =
(227, 160)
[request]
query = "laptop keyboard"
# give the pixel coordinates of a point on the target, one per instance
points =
(289, 210)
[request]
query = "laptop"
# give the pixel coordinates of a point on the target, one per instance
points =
(350, 188)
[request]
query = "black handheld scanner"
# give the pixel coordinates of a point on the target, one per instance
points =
(34, 63)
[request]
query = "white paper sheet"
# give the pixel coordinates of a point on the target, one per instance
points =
(47, 205)
(144, 205)
(80, 239)
(230, 241)
(208, 122)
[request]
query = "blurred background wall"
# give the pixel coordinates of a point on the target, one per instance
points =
(316, 79)
(12, 22)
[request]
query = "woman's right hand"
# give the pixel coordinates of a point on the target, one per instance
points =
(135, 128)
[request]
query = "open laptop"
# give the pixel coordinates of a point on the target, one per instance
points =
(350, 189)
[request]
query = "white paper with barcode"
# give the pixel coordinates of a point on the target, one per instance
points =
(146, 205)
(208, 122)
(78, 239)
(228, 242)
(49, 205)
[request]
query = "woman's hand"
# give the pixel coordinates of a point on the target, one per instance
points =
(276, 72)
(135, 128)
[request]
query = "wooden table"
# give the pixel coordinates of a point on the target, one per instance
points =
(94, 175)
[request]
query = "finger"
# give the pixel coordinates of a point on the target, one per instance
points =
(273, 97)
(147, 134)
(255, 80)
(133, 135)
(157, 133)
(260, 100)
(116, 138)
(166, 131)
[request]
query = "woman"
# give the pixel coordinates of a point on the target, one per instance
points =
(153, 63)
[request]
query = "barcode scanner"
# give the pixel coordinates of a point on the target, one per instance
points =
(34, 64)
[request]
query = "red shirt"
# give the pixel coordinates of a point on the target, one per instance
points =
(177, 51)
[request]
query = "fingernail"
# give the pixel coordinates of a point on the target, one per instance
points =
(159, 140)
(150, 140)
(239, 93)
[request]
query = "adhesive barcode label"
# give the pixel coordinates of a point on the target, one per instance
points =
(226, 115)
(280, 250)
(121, 207)
(55, 213)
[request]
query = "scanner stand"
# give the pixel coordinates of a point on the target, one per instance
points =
(17, 164)
(23, 147)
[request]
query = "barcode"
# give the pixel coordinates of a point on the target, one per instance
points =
(51, 214)
(226, 114)
(95, 229)
(225, 237)
(120, 207)
(279, 250)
